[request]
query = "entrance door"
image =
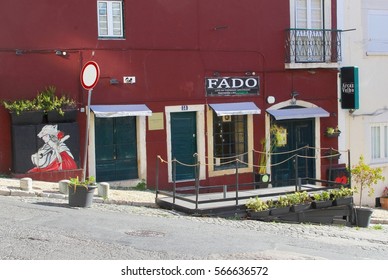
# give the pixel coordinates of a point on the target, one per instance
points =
(184, 143)
(300, 133)
(116, 149)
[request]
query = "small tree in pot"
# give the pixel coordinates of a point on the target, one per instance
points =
(365, 177)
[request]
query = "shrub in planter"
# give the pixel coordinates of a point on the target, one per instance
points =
(341, 196)
(46, 101)
(384, 199)
(258, 208)
(365, 177)
(299, 201)
(321, 200)
(25, 111)
(81, 192)
(281, 206)
(57, 108)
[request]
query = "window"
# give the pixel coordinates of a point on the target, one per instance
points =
(309, 14)
(230, 141)
(110, 19)
(377, 35)
(379, 142)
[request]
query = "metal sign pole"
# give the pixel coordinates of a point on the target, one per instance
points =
(87, 134)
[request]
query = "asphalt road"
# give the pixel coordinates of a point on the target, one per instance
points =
(35, 228)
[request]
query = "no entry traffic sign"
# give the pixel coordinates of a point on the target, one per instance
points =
(89, 75)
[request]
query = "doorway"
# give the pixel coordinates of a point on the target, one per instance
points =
(184, 144)
(300, 133)
(116, 148)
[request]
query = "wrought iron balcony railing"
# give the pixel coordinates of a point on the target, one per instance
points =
(313, 45)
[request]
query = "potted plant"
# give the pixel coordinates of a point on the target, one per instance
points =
(281, 206)
(24, 111)
(277, 138)
(342, 196)
(257, 208)
(384, 199)
(299, 201)
(81, 192)
(262, 177)
(332, 154)
(321, 200)
(58, 109)
(332, 132)
(365, 177)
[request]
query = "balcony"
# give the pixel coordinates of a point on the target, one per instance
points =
(313, 46)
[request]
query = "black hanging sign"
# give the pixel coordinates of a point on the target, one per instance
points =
(349, 88)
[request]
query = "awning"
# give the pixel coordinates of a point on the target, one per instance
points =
(238, 108)
(299, 113)
(114, 111)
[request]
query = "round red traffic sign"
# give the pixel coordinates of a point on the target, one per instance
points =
(90, 74)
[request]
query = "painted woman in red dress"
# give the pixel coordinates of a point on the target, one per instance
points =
(54, 155)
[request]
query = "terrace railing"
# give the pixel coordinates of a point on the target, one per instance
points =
(313, 45)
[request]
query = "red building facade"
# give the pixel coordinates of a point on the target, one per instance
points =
(188, 80)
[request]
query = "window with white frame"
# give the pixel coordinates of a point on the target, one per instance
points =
(377, 41)
(110, 19)
(308, 14)
(230, 141)
(379, 142)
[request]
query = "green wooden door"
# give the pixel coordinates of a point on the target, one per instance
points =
(116, 149)
(184, 143)
(300, 133)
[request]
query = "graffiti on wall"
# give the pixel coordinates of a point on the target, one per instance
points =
(54, 155)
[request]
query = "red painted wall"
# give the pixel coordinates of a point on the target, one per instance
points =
(170, 46)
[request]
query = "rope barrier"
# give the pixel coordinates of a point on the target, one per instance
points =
(236, 158)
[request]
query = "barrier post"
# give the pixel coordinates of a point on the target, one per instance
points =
(157, 177)
(173, 180)
(236, 181)
(196, 169)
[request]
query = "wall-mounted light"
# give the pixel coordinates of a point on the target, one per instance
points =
(60, 53)
(19, 52)
(271, 99)
(250, 73)
(114, 81)
(294, 94)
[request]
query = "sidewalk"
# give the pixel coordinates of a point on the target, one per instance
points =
(11, 187)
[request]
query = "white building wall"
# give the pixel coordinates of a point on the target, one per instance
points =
(373, 75)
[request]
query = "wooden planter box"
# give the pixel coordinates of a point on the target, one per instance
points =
(258, 215)
(55, 117)
(333, 135)
(343, 201)
(300, 207)
(26, 118)
(279, 211)
(321, 204)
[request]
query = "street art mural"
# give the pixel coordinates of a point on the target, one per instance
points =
(54, 155)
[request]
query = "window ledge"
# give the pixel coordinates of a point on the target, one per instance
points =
(216, 173)
(377, 53)
(112, 38)
(379, 163)
(311, 65)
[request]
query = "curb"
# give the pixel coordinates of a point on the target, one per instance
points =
(379, 221)
(22, 193)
